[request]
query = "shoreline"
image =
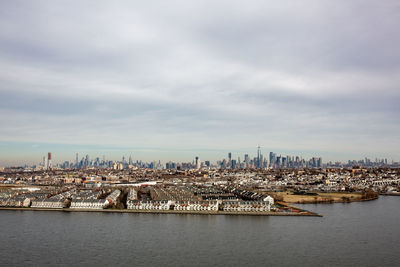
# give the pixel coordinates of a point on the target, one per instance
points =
(316, 197)
(242, 213)
(330, 202)
(390, 194)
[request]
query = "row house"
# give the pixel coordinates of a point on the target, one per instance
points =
(132, 194)
(113, 197)
(89, 203)
(197, 205)
(149, 205)
(18, 202)
(49, 203)
(247, 206)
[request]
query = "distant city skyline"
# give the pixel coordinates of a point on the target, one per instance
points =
(199, 78)
(61, 155)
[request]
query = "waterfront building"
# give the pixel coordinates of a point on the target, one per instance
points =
(49, 203)
(16, 201)
(89, 203)
(149, 204)
(113, 197)
(247, 206)
(212, 205)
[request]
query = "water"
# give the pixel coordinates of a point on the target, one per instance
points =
(352, 234)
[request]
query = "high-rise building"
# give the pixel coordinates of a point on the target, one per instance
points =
(233, 164)
(246, 160)
(49, 160)
(198, 163)
(278, 161)
(319, 162)
(272, 159)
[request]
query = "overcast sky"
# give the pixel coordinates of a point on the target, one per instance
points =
(177, 79)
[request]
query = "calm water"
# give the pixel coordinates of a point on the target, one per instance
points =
(353, 234)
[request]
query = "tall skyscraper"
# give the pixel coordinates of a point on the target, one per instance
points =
(198, 163)
(271, 158)
(76, 160)
(49, 160)
(258, 157)
(233, 164)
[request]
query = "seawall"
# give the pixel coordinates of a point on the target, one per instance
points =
(241, 213)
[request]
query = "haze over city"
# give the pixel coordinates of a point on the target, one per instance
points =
(177, 79)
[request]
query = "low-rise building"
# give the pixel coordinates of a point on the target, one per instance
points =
(148, 205)
(247, 206)
(50, 203)
(205, 205)
(89, 203)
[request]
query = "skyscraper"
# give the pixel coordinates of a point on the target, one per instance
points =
(272, 159)
(49, 160)
(246, 160)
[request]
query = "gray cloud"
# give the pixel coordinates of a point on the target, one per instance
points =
(304, 75)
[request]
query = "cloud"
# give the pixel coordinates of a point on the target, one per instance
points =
(305, 75)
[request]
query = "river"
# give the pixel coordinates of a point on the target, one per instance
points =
(362, 234)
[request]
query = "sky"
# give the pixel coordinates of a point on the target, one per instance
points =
(179, 79)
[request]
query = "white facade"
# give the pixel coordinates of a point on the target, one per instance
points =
(270, 200)
(133, 194)
(89, 204)
(48, 203)
(113, 197)
(148, 205)
(247, 206)
(197, 205)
